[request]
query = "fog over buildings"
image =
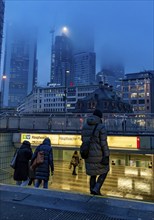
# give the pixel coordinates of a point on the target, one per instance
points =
(119, 31)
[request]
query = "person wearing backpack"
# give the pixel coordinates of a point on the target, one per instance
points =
(75, 162)
(43, 170)
(97, 163)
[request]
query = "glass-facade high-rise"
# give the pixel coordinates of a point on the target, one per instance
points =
(63, 61)
(20, 65)
(1, 24)
(84, 68)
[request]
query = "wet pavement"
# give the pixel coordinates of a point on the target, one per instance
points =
(122, 182)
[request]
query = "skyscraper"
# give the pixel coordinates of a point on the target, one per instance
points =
(2, 6)
(20, 65)
(84, 68)
(111, 74)
(63, 61)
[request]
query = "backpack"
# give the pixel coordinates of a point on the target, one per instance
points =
(85, 146)
(38, 160)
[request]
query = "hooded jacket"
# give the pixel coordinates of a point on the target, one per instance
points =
(43, 170)
(99, 147)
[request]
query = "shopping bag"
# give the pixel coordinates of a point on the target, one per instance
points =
(13, 161)
(70, 166)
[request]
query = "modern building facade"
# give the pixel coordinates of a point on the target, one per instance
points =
(51, 99)
(62, 65)
(137, 89)
(20, 65)
(2, 6)
(84, 68)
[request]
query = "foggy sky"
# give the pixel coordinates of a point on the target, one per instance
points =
(122, 30)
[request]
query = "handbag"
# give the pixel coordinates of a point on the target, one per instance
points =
(85, 146)
(13, 161)
(38, 160)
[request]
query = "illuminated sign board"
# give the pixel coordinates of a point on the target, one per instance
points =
(70, 140)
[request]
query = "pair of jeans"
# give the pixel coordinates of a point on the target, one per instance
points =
(22, 183)
(38, 183)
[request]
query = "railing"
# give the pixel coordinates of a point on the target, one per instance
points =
(73, 122)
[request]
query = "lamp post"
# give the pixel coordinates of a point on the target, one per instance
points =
(66, 72)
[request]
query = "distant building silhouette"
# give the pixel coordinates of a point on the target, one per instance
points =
(84, 68)
(20, 65)
(111, 74)
(62, 68)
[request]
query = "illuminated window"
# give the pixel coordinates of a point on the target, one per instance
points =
(141, 95)
(141, 108)
(134, 95)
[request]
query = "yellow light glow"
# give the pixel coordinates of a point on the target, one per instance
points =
(125, 183)
(131, 171)
(142, 187)
(75, 140)
(122, 142)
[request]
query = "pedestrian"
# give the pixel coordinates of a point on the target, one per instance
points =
(75, 162)
(97, 163)
(42, 172)
(21, 172)
(123, 124)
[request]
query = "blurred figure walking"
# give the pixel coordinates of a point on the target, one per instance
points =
(42, 172)
(75, 162)
(21, 172)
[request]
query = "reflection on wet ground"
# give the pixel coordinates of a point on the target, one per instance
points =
(122, 181)
(127, 182)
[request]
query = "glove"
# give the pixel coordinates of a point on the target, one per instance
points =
(105, 161)
(52, 173)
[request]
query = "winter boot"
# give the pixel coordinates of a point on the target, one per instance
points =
(92, 183)
(96, 189)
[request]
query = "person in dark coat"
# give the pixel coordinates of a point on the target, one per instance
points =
(97, 163)
(75, 162)
(42, 172)
(21, 172)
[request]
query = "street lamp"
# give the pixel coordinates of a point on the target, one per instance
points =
(66, 72)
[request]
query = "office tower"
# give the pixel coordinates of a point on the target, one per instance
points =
(2, 6)
(111, 74)
(20, 65)
(84, 68)
(137, 89)
(62, 73)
